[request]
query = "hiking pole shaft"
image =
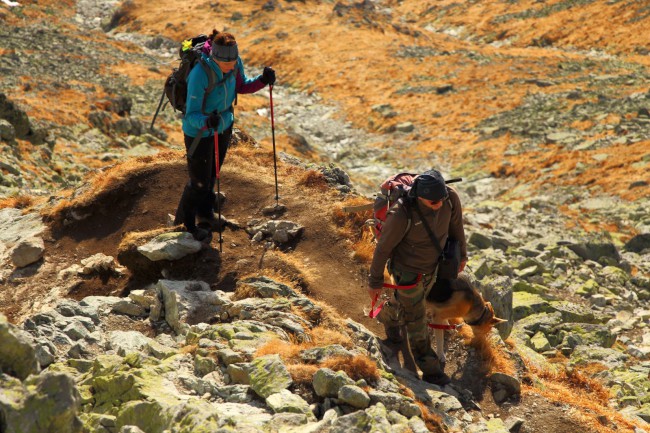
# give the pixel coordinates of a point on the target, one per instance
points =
(157, 110)
(275, 164)
(218, 175)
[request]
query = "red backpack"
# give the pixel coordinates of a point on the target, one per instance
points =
(392, 189)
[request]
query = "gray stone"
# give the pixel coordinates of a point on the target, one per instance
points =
(98, 263)
(499, 292)
(7, 131)
(508, 385)
(354, 396)
(638, 243)
(480, 241)
(17, 355)
(129, 308)
(268, 375)
(48, 402)
(596, 251)
(405, 127)
(15, 116)
(285, 401)
(268, 288)
(27, 251)
(170, 246)
(238, 373)
(124, 342)
(327, 383)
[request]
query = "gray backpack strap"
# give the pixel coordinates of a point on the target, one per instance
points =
(195, 143)
(211, 83)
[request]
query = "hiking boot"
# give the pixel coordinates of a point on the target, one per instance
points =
(440, 379)
(201, 234)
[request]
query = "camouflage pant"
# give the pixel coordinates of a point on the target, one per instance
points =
(407, 307)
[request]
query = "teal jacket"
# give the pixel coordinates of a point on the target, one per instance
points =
(219, 100)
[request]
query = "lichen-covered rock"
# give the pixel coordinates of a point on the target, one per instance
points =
(524, 304)
(268, 375)
(17, 355)
(327, 382)
(584, 355)
(268, 288)
(285, 401)
(48, 402)
(498, 291)
(354, 396)
(373, 419)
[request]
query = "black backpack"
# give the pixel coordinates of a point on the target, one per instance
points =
(175, 88)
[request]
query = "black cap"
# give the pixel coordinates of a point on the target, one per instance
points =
(431, 186)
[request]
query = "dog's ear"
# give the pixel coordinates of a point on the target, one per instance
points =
(494, 320)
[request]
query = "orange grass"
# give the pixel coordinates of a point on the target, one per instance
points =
(302, 374)
(352, 225)
(314, 179)
(18, 202)
(356, 367)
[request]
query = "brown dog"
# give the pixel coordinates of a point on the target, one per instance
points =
(450, 299)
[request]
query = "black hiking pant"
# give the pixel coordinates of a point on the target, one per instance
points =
(198, 197)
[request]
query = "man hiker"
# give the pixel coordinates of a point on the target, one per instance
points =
(203, 119)
(412, 258)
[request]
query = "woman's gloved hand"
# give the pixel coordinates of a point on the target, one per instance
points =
(212, 121)
(268, 75)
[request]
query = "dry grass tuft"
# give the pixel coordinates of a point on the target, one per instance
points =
(302, 374)
(191, 349)
(352, 225)
(244, 291)
(289, 352)
(314, 179)
(587, 397)
(288, 268)
(18, 202)
(578, 384)
(356, 367)
(323, 336)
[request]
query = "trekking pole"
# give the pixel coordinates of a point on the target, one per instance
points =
(157, 110)
(275, 165)
(218, 175)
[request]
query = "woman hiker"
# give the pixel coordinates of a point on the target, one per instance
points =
(221, 55)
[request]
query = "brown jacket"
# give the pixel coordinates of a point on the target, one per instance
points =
(413, 251)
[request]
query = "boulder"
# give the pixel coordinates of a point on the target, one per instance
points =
(27, 251)
(268, 375)
(17, 355)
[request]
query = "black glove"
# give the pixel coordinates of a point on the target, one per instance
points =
(268, 75)
(212, 121)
